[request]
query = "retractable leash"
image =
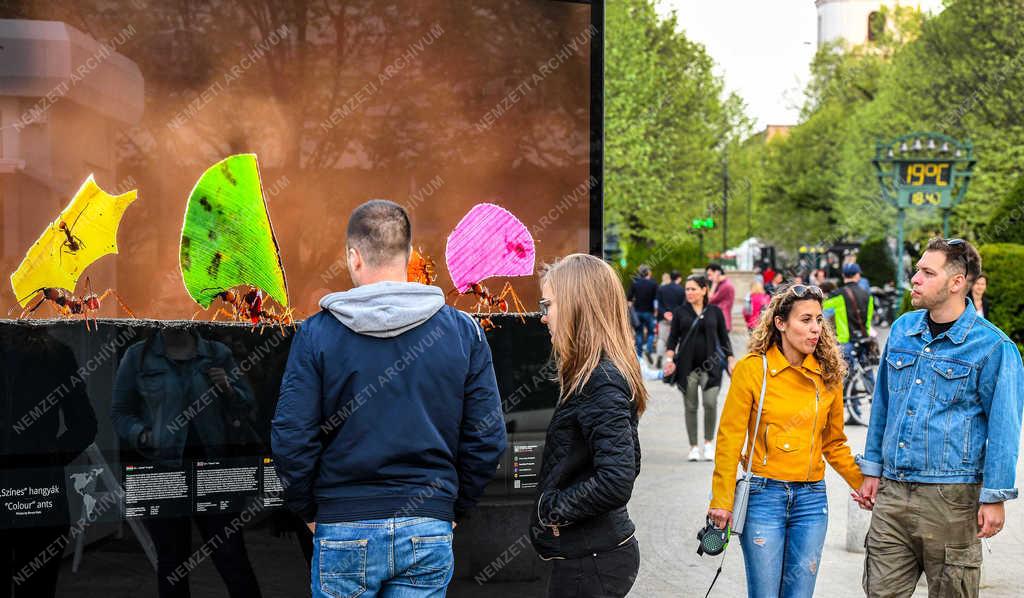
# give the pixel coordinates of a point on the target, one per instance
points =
(713, 542)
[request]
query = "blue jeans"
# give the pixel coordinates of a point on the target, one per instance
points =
(406, 557)
(783, 537)
(648, 326)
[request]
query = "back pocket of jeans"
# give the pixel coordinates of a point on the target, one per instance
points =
(343, 567)
(432, 561)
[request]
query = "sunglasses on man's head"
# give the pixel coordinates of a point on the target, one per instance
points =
(962, 257)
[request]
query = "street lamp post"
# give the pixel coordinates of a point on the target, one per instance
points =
(922, 170)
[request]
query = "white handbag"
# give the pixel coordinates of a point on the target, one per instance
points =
(739, 503)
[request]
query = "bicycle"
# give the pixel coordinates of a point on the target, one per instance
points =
(859, 386)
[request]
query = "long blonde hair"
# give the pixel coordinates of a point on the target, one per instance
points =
(592, 323)
(766, 334)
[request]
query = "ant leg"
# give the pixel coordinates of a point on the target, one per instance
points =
(29, 310)
(517, 305)
(116, 296)
(221, 310)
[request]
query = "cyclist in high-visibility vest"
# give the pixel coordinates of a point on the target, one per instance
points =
(853, 308)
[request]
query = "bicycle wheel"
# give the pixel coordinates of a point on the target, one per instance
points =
(859, 390)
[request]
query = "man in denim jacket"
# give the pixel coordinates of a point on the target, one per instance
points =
(945, 428)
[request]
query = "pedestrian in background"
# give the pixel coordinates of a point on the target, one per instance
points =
(641, 296)
(592, 449)
(757, 301)
(978, 298)
(798, 360)
(698, 350)
(941, 452)
(670, 296)
(723, 293)
(381, 466)
(777, 281)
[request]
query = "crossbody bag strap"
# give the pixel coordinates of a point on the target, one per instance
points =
(689, 332)
(856, 311)
(757, 422)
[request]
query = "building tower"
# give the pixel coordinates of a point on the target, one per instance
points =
(856, 20)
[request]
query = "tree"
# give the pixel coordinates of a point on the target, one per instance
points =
(668, 126)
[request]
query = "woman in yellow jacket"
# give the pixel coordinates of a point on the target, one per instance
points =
(802, 421)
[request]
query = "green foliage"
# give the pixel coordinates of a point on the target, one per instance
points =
(1004, 265)
(666, 125)
(960, 73)
(1007, 222)
(682, 254)
(875, 262)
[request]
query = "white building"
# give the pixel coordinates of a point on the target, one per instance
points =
(851, 19)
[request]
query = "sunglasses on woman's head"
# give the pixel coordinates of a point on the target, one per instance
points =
(802, 290)
(544, 303)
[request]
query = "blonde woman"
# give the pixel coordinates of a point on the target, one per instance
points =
(801, 422)
(592, 451)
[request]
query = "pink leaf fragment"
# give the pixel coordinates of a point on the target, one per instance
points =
(488, 241)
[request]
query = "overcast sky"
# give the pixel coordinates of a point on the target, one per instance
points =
(762, 48)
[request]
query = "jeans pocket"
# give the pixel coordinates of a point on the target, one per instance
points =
(961, 572)
(342, 567)
(432, 561)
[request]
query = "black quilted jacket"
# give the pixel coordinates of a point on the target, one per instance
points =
(591, 459)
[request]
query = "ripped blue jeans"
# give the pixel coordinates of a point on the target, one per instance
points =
(783, 537)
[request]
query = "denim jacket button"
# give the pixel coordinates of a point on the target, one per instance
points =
(903, 444)
(918, 381)
(899, 362)
(927, 350)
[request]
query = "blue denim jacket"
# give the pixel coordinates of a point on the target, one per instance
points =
(947, 410)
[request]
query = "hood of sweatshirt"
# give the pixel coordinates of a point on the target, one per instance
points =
(385, 309)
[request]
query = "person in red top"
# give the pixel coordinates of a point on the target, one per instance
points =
(759, 299)
(723, 293)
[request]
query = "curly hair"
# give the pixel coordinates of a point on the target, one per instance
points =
(766, 334)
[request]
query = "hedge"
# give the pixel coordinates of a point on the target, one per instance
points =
(1003, 264)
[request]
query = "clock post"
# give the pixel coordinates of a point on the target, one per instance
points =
(922, 170)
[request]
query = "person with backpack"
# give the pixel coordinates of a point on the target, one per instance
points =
(852, 308)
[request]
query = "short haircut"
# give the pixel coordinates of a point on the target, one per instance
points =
(961, 257)
(675, 276)
(644, 270)
(381, 231)
(715, 268)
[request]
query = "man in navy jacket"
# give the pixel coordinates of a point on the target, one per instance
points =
(389, 423)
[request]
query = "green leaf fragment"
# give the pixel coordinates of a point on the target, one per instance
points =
(227, 239)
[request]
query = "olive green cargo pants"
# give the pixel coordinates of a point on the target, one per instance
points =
(923, 527)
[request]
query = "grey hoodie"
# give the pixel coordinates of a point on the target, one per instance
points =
(385, 309)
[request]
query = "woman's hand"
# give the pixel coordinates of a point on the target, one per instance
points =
(720, 517)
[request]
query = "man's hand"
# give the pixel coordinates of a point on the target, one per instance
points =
(868, 493)
(312, 526)
(220, 379)
(991, 517)
(720, 517)
(670, 366)
(731, 364)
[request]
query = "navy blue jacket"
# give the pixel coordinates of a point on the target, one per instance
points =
(375, 428)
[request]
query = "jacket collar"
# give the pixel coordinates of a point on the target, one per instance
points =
(778, 362)
(957, 334)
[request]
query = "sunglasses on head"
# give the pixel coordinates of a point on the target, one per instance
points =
(802, 290)
(962, 258)
(544, 303)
